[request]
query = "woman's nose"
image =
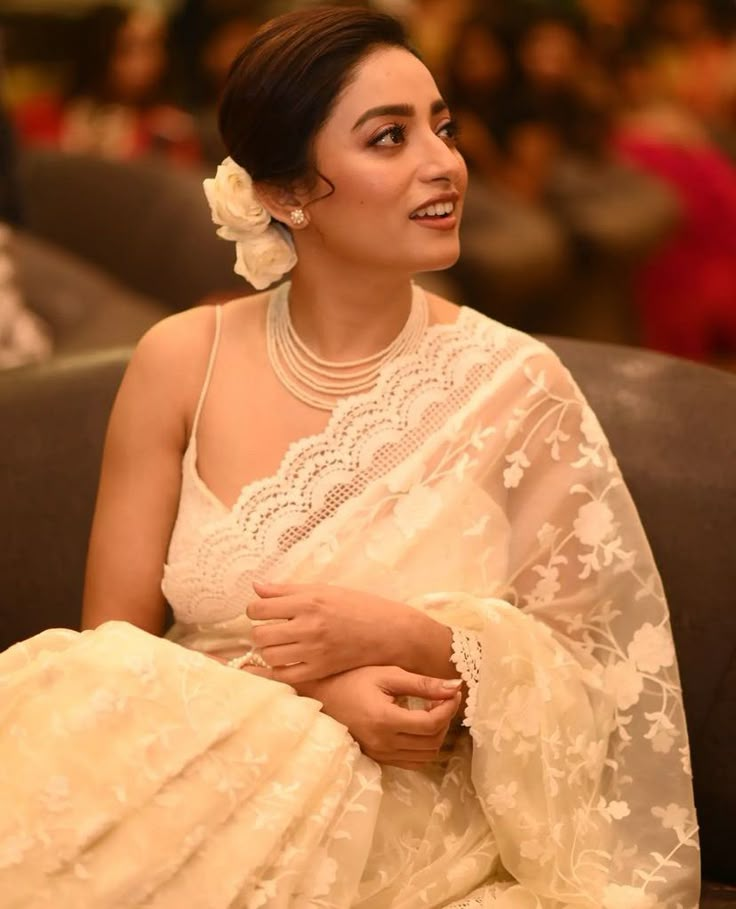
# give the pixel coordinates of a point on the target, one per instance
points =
(440, 160)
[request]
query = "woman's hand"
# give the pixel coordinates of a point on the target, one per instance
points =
(364, 700)
(324, 630)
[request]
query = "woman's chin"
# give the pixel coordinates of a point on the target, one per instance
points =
(440, 263)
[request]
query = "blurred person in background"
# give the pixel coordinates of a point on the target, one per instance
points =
(695, 58)
(208, 39)
(534, 107)
(23, 337)
(560, 79)
(609, 25)
(686, 291)
(513, 249)
(114, 104)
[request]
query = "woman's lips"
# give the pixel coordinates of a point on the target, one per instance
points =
(448, 222)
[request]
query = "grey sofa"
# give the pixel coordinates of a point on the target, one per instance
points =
(671, 423)
(83, 307)
(144, 223)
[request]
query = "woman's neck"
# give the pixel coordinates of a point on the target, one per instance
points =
(350, 314)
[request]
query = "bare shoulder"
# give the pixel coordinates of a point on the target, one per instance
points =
(167, 369)
(173, 348)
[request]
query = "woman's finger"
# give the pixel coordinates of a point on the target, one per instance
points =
(276, 635)
(283, 655)
(410, 742)
(266, 589)
(299, 672)
(277, 607)
(423, 722)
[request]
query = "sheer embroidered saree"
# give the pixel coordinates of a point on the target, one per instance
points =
(476, 485)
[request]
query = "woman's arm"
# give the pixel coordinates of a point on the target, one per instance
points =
(141, 474)
(324, 629)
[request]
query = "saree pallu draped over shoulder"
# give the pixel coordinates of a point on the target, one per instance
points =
(475, 484)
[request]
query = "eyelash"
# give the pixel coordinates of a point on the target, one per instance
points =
(397, 131)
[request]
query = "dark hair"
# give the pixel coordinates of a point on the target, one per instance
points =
(284, 83)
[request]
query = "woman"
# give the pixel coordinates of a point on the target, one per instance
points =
(113, 106)
(447, 508)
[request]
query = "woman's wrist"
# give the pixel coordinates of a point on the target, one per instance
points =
(423, 646)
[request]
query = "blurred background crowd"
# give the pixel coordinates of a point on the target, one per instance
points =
(600, 137)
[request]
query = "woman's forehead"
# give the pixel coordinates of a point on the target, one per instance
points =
(386, 76)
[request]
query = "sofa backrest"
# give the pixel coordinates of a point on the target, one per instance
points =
(144, 222)
(53, 419)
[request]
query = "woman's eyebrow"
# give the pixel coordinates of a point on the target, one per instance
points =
(398, 110)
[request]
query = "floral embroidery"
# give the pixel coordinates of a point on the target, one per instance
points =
(651, 648)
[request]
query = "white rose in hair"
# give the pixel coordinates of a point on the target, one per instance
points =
(265, 258)
(234, 203)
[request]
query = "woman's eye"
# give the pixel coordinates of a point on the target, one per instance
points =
(391, 135)
(449, 130)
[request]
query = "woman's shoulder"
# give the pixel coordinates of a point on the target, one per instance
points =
(177, 338)
(175, 351)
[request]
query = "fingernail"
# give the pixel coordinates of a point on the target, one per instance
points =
(452, 684)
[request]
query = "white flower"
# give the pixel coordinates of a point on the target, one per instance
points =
(404, 476)
(624, 682)
(546, 587)
(325, 878)
(264, 251)
(673, 817)
(662, 742)
(417, 509)
(618, 896)
(503, 798)
(234, 203)
(265, 257)
(618, 810)
(651, 648)
(546, 536)
(594, 523)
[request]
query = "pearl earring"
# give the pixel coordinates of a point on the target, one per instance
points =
(297, 217)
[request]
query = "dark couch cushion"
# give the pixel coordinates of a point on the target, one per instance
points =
(83, 306)
(53, 419)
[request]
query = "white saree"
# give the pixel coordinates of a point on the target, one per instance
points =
(474, 483)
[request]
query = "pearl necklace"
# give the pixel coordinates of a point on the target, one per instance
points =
(321, 383)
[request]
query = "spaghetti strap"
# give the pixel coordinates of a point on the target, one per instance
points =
(208, 374)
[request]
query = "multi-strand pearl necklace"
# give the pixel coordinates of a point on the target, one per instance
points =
(321, 383)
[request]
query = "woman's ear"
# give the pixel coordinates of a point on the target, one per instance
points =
(282, 204)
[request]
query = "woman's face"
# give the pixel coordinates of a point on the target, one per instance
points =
(480, 64)
(139, 57)
(550, 55)
(389, 150)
